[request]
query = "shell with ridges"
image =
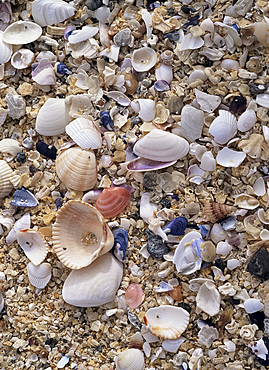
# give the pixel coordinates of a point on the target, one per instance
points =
(113, 201)
(216, 211)
(76, 168)
(5, 174)
(223, 128)
(5, 50)
(22, 32)
(40, 275)
(80, 234)
(84, 133)
(10, 146)
(192, 122)
(130, 359)
(48, 12)
(33, 245)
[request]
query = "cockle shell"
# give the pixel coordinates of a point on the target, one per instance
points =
(22, 32)
(40, 275)
(113, 201)
(77, 169)
(167, 322)
(230, 158)
(145, 108)
(52, 117)
(33, 245)
(95, 284)
(5, 173)
(10, 146)
(247, 120)
(192, 121)
(170, 146)
(246, 201)
(224, 127)
(216, 211)
(84, 133)
(22, 58)
(134, 295)
(208, 298)
(5, 50)
(80, 234)
(144, 59)
(130, 359)
(48, 12)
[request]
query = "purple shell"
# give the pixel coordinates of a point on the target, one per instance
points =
(142, 164)
(161, 85)
(24, 198)
(68, 30)
(43, 64)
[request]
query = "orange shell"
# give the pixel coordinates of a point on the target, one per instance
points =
(134, 295)
(113, 201)
(216, 211)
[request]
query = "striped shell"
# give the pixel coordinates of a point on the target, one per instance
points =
(40, 275)
(216, 211)
(76, 168)
(80, 234)
(130, 359)
(5, 174)
(48, 12)
(84, 133)
(113, 201)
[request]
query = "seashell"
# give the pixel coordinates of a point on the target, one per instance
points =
(130, 359)
(80, 105)
(161, 85)
(5, 50)
(134, 295)
(259, 348)
(162, 114)
(167, 322)
(246, 201)
(247, 120)
(164, 72)
(80, 234)
(120, 244)
(46, 150)
(48, 12)
(167, 57)
(230, 158)
(130, 83)
(24, 198)
(113, 201)
(76, 168)
(208, 298)
(33, 245)
(142, 165)
(147, 209)
(5, 173)
(84, 133)
(255, 146)
(207, 102)
(192, 121)
(259, 187)
(208, 162)
(216, 211)
(261, 31)
(229, 65)
(208, 251)
(40, 275)
(233, 263)
(217, 233)
(266, 305)
(10, 146)
(22, 58)
(95, 284)
(16, 105)
(85, 33)
(189, 42)
(197, 74)
(176, 227)
(224, 127)
(112, 52)
(263, 100)
(136, 341)
(170, 146)
(145, 108)
(223, 248)
(143, 59)
(119, 97)
(52, 117)
(44, 73)
(263, 216)
(252, 305)
(21, 32)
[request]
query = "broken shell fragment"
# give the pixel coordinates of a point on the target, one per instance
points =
(145, 108)
(167, 322)
(120, 244)
(22, 32)
(33, 245)
(246, 201)
(208, 298)
(24, 198)
(40, 275)
(208, 251)
(130, 359)
(22, 58)
(134, 295)
(84, 133)
(113, 201)
(216, 211)
(230, 158)
(192, 122)
(247, 120)
(144, 59)
(48, 12)
(207, 102)
(261, 31)
(5, 50)
(142, 165)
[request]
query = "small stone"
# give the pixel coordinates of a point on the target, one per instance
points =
(46, 150)
(156, 247)
(175, 104)
(257, 318)
(123, 37)
(21, 157)
(165, 202)
(259, 264)
(14, 254)
(93, 4)
(150, 181)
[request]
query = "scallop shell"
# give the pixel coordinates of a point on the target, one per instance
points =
(130, 359)
(134, 295)
(224, 127)
(5, 174)
(208, 298)
(144, 59)
(52, 117)
(33, 245)
(192, 122)
(84, 133)
(48, 12)
(5, 50)
(246, 201)
(145, 108)
(167, 322)
(247, 120)
(94, 285)
(170, 146)
(230, 158)
(113, 201)
(80, 234)
(76, 168)
(40, 275)
(22, 32)
(22, 58)
(216, 211)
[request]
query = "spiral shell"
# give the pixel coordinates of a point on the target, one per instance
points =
(167, 57)
(5, 174)
(113, 201)
(130, 359)
(48, 12)
(216, 211)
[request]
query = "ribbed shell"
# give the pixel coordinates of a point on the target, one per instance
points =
(159, 145)
(48, 12)
(84, 133)
(40, 275)
(21, 32)
(5, 50)
(113, 201)
(80, 234)
(76, 168)
(130, 359)
(216, 211)
(5, 174)
(224, 127)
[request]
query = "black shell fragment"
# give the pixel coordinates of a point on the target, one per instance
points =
(46, 150)
(238, 104)
(156, 247)
(24, 198)
(259, 264)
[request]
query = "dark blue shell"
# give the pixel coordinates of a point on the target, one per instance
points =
(176, 227)
(106, 120)
(63, 70)
(120, 244)
(24, 198)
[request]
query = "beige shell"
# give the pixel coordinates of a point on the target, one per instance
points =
(208, 251)
(5, 174)
(261, 31)
(144, 59)
(48, 12)
(76, 168)
(10, 146)
(130, 359)
(84, 133)
(255, 146)
(40, 275)
(266, 305)
(246, 201)
(21, 32)
(208, 298)
(80, 234)
(216, 211)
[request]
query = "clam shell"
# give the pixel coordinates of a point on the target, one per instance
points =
(113, 201)
(5, 174)
(40, 275)
(84, 133)
(22, 32)
(230, 158)
(246, 201)
(22, 58)
(208, 162)
(224, 127)
(33, 245)
(164, 72)
(5, 50)
(10, 146)
(130, 359)
(216, 211)
(167, 322)
(48, 12)
(76, 168)
(94, 285)
(134, 295)
(170, 146)
(52, 117)
(252, 305)
(261, 31)
(208, 298)
(80, 234)
(192, 121)
(247, 120)
(144, 59)
(145, 108)
(142, 165)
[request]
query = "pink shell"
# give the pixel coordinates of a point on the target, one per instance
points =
(113, 201)
(134, 295)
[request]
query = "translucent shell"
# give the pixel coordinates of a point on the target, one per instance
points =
(247, 120)
(144, 59)
(5, 50)
(134, 295)
(33, 245)
(84, 133)
(224, 127)
(167, 322)
(76, 168)
(48, 12)
(113, 201)
(22, 32)
(80, 234)
(40, 275)
(130, 359)
(5, 174)
(216, 211)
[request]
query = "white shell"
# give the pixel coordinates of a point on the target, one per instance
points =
(145, 108)
(208, 162)
(265, 131)
(252, 305)
(159, 145)
(52, 117)
(40, 275)
(5, 174)
(247, 120)
(263, 100)
(22, 32)
(246, 201)
(84, 34)
(130, 359)
(188, 42)
(84, 133)
(233, 263)
(22, 58)
(33, 244)
(259, 187)
(230, 158)
(10, 146)
(229, 65)
(197, 74)
(192, 121)
(143, 59)
(80, 105)
(95, 284)
(208, 298)
(223, 128)
(164, 72)
(5, 50)
(48, 12)
(223, 248)
(261, 216)
(45, 77)
(147, 209)
(207, 102)
(167, 322)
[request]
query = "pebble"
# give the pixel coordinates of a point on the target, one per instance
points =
(156, 247)
(259, 264)
(14, 254)
(46, 150)
(93, 4)
(21, 157)
(123, 37)
(150, 181)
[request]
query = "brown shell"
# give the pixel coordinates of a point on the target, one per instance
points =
(113, 201)
(131, 83)
(216, 211)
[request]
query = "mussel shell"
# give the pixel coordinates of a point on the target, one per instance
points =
(24, 198)
(176, 226)
(120, 244)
